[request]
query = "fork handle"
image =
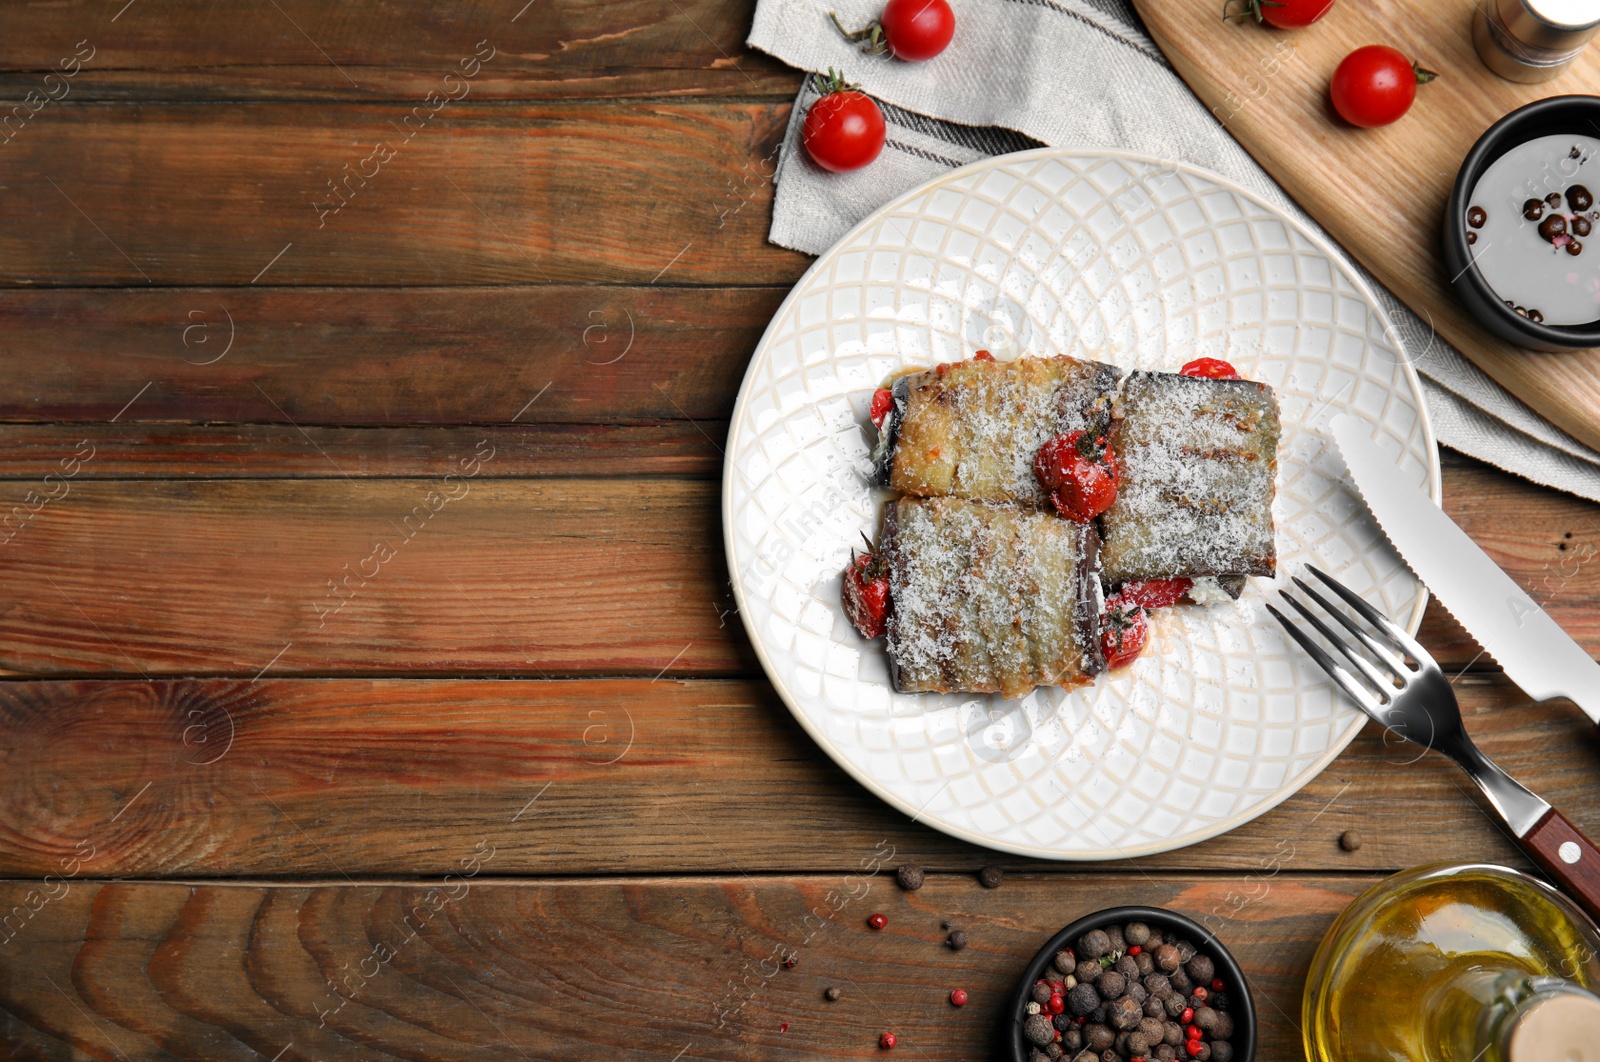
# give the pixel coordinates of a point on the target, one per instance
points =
(1568, 857)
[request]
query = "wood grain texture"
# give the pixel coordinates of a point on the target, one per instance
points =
(441, 576)
(470, 193)
(147, 573)
(1381, 192)
(592, 354)
(691, 449)
(284, 777)
(658, 969)
(307, 50)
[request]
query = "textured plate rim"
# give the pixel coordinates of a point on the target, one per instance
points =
(1290, 786)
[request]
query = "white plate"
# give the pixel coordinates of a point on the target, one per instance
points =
(1126, 259)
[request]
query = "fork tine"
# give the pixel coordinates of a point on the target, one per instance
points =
(1383, 683)
(1375, 647)
(1376, 618)
(1346, 681)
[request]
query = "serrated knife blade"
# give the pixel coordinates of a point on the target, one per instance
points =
(1536, 653)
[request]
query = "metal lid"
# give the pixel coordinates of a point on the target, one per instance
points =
(1550, 25)
(1564, 1027)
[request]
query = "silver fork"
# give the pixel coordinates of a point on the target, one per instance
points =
(1402, 688)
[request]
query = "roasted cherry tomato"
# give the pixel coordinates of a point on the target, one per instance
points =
(866, 594)
(1080, 473)
(983, 355)
(844, 129)
(1124, 629)
(1210, 369)
(1285, 14)
(1155, 593)
(1375, 85)
(882, 402)
(914, 30)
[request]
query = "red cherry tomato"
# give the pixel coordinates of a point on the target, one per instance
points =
(982, 355)
(918, 30)
(1375, 85)
(1155, 593)
(866, 600)
(844, 129)
(1080, 472)
(882, 402)
(1210, 369)
(1284, 14)
(1123, 631)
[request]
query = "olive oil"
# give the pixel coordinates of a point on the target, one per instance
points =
(1456, 963)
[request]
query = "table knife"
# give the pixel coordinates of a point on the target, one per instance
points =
(1535, 653)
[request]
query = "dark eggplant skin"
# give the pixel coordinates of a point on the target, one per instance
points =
(889, 434)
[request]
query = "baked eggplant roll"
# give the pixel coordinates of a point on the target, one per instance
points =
(1198, 458)
(989, 598)
(971, 430)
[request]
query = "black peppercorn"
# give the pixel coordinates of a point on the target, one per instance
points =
(831, 994)
(910, 877)
(1124, 1013)
(1082, 999)
(991, 877)
(1581, 226)
(1041, 994)
(1206, 1018)
(1574, 247)
(1167, 958)
(1578, 197)
(1094, 944)
(1221, 1051)
(1088, 971)
(1535, 316)
(1136, 933)
(1099, 1037)
(1553, 226)
(1533, 209)
(956, 940)
(1111, 984)
(1553, 199)
(1038, 1030)
(1350, 840)
(1472, 237)
(1476, 217)
(1201, 969)
(1072, 1039)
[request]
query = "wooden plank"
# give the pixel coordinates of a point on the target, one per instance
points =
(306, 50)
(254, 558)
(448, 575)
(1271, 90)
(373, 194)
(659, 969)
(592, 354)
(282, 777)
(278, 451)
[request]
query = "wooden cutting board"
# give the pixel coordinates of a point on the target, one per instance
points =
(1381, 192)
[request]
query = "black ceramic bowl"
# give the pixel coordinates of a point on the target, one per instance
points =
(1547, 117)
(1240, 1006)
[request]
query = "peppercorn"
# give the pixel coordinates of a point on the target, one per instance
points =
(1138, 1043)
(1088, 971)
(1063, 1022)
(1072, 1039)
(956, 940)
(1180, 982)
(1206, 1018)
(1128, 967)
(910, 877)
(1167, 958)
(1111, 984)
(1155, 941)
(1476, 216)
(1083, 999)
(877, 921)
(1145, 963)
(1093, 944)
(1065, 961)
(1554, 199)
(1224, 1029)
(1166, 1053)
(1154, 1008)
(1037, 1055)
(1136, 992)
(1124, 1013)
(1038, 1030)
(1204, 1053)
(1175, 1004)
(1118, 944)
(1158, 985)
(1553, 226)
(1136, 933)
(1221, 1051)
(959, 997)
(1109, 1055)
(1218, 1001)
(1186, 951)
(1172, 1034)
(1201, 969)
(1052, 1050)
(887, 1040)
(790, 962)
(1099, 1037)
(991, 877)
(1041, 993)
(1533, 209)
(831, 994)
(1574, 247)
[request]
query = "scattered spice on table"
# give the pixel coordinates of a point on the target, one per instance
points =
(910, 877)
(1349, 840)
(959, 997)
(877, 921)
(956, 940)
(832, 993)
(991, 877)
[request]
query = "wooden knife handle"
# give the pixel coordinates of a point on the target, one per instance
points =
(1568, 857)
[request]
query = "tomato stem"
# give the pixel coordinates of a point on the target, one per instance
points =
(834, 82)
(1248, 9)
(1423, 75)
(871, 34)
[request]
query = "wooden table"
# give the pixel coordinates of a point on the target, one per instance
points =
(373, 685)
